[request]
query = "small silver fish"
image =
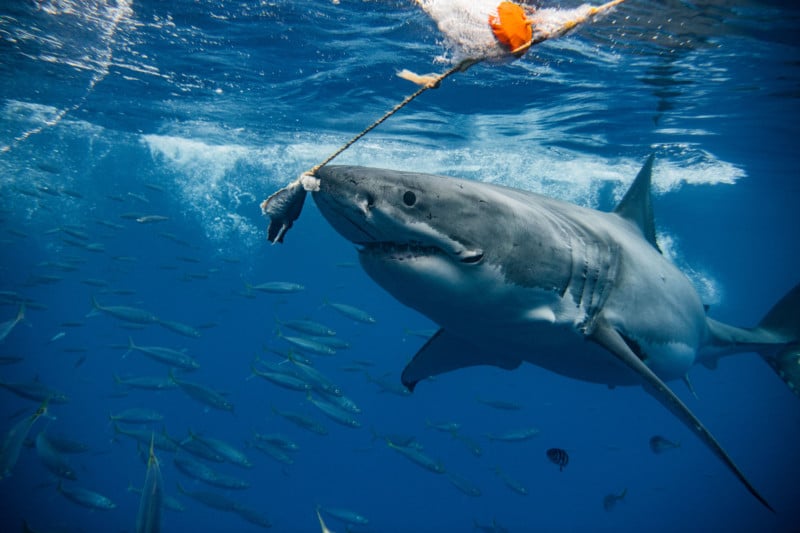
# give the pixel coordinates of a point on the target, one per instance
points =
(345, 515)
(354, 313)
(659, 444)
(276, 287)
(14, 440)
(610, 500)
(150, 219)
(7, 326)
(86, 498)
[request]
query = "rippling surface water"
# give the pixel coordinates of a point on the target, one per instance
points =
(196, 111)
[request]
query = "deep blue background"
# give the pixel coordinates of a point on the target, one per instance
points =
(205, 108)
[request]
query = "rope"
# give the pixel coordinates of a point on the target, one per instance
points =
(284, 205)
(461, 67)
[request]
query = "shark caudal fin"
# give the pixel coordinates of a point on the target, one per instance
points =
(776, 339)
(782, 323)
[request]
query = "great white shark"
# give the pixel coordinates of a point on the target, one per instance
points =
(512, 276)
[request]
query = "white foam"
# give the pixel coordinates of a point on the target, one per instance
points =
(709, 289)
(206, 178)
(221, 175)
(100, 20)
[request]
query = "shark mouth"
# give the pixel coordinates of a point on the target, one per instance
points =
(411, 250)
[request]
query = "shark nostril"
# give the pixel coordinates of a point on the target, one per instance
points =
(366, 202)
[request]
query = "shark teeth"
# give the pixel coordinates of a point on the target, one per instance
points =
(401, 251)
(412, 250)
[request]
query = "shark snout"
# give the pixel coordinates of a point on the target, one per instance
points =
(345, 205)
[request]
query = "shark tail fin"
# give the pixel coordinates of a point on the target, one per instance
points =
(783, 323)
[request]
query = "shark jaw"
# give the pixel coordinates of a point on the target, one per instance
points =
(410, 251)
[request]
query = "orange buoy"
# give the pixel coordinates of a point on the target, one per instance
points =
(511, 27)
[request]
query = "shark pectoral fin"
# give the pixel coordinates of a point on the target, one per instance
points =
(608, 337)
(445, 352)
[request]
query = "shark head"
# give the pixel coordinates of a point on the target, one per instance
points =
(425, 239)
(399, 216)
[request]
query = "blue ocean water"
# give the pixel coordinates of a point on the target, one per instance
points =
(198, 110)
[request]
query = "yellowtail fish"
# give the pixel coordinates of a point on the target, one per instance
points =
(463, 485)
(252, 516)
(499, 404)
(95, 282)
(273, 451)
(276, 287)
(136, 416)
(151, 219)
(180, 329)
(146, 382)
(174, 238)
(388, 383)
(610, 500)
(510, 482)
(332, 342)
(126, 314)
(7, 326)
(352, 312)
(302, 421)
(341, 401)
(307, 345)
(514, 435)
(168, 356)
(445, 427)
(151, 503)
(35, 391)
(210, 499)
(473, 447)
(659, 444)
(203, 394)
(52, 459)
(314, 377)
(228, 451)
(334, 412)
(139, 197)
(344, 515)
(63, 444)
(58, 336)
(14, 440)
(198, 449)
(309, 327)
(281, 379)
(415, 455)
(494, 527)
(205, 473)
(86, 498)
(284, 443)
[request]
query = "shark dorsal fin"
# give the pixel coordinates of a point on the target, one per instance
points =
(637, 205)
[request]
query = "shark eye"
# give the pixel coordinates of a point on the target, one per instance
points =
(409, 198)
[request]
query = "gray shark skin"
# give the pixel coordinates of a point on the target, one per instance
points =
(512, 276)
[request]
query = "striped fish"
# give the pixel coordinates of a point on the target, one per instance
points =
(559, 457)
